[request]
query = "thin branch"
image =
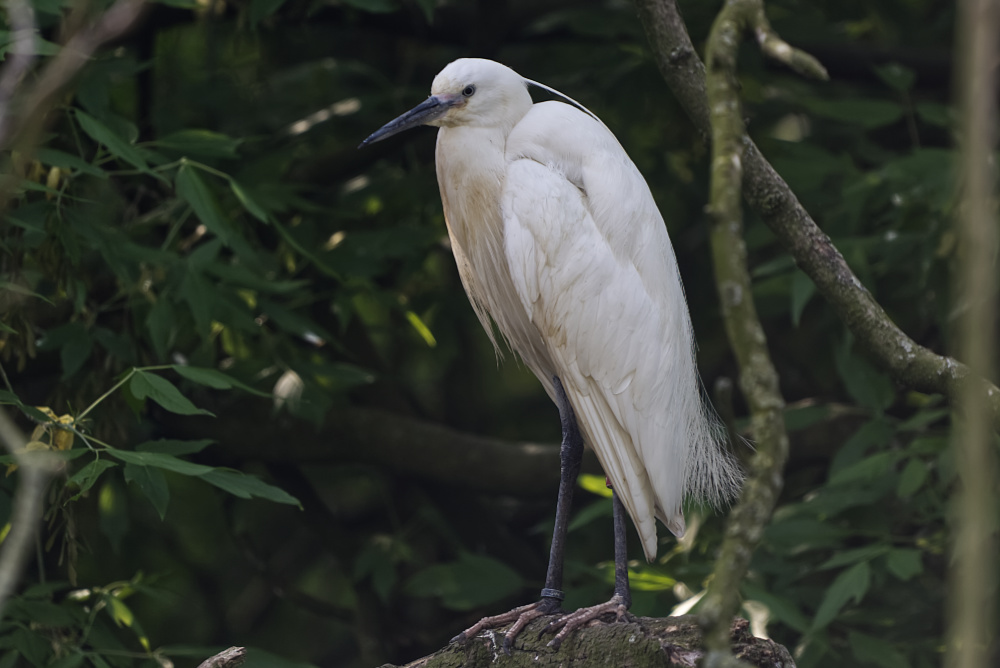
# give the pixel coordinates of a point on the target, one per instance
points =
(972, 594)
(21, 17)
(907, 363)
(22, 130)
(758, 377)
(34, 469)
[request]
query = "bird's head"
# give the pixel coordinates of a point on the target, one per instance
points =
(471, 92)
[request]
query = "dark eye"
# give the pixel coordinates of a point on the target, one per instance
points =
(469, 90)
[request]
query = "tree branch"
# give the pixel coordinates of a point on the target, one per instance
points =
(34, 469)
(405, 445)
(229, 658)
(758, 377)
(907, 362)
(972, 571)
(672, 642)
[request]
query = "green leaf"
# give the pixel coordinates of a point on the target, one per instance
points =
(161, 322)
(802, 291)
(869, 468)
(780, 607)
(427, 7)
(261, 9)
(51, 156)
(193, 190)
(88, 475)
(246, 486)
(152, 483)
(869, 114)
(912, 479)
(896, 76)
(867, 385)
(853, 556)
(201, 143)
(374, 6)
(73, 660)
(471, 582)
(163, 392)
(118, 147)
(172, 447)
(851, 584)
(868, 649)
(923, 418)
(422, 329)
(593, 511)
(934, 113)
(215, 379)
(248, 202)
(160, 460)
(904, 563)
(874, 433)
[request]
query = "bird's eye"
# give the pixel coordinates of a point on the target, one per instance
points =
(469, 90)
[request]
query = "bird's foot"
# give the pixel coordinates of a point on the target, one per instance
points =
(569, 623)
(521, 616)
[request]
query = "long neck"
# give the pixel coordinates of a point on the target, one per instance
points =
(470, 170)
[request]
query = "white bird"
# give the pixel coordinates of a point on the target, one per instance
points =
(558, 241)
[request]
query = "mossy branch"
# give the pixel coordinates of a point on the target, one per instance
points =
(908, 363)
(758, 377)
(673, 642)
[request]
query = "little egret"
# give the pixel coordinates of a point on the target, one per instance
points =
(558, 242)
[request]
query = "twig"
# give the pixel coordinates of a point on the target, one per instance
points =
(972, 571)
(34, 469)
(908, 363)
(758, 377)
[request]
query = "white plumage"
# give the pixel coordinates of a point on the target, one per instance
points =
(559, 242)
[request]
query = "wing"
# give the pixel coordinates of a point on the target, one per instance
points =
(593, 266)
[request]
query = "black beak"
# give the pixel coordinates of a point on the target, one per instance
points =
(430, 109)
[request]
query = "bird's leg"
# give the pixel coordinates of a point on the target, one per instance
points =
(622, 599)
(570, 457)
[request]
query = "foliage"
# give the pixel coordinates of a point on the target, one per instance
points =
(196, 227)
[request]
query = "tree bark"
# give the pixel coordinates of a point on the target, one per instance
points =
(671, 642)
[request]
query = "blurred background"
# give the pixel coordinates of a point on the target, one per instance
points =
(197, 199)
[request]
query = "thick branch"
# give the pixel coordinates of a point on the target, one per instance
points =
(758, 377)
(229, 658)
(672, 642)
(972, 596)
(907, 362)
(405, 445)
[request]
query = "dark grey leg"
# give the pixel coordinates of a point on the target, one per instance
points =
(621, 552)
(622, 599)
(570, 455)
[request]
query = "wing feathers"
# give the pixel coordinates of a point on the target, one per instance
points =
(592, 264)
